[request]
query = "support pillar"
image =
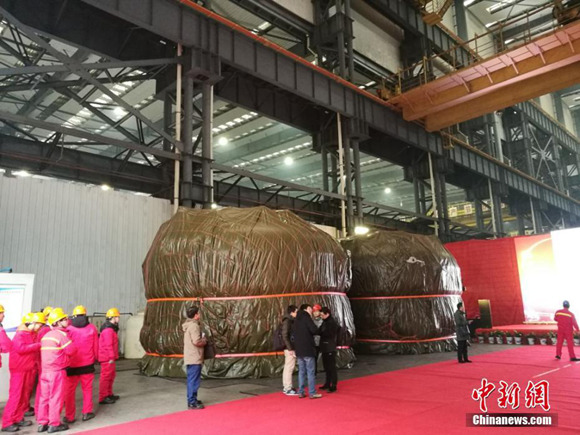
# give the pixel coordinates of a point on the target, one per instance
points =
(443, 207)
(206, 145)
(340, 41)
(357, 180)
(479, 222)
(519, 209)
(348, 184)
(186, 183)
(324, 156)
(496, 211)
(167, 112)
(333, 173)
(527, 144)
(422, 198)
(461, 20)
(536, 213)
(560, 170)
(349, 47)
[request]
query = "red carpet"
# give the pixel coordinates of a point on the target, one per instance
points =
(525, 329)
(429, 399)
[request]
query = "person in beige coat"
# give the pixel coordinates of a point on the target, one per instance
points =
(193, 344)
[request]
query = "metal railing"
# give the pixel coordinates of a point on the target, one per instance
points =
(487, 45)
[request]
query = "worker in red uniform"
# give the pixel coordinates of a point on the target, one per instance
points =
(56, 350)
(41, 333)
(82, 368)
(22, 364)
(5, 343)
(108, 354)
(566, 326)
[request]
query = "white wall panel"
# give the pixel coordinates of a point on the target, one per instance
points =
(84, 245)
(547, 103)
(375, 42)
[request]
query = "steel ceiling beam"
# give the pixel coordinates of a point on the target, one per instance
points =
(377, 116)
(79, 66)
(74, 67)
(86, 135)
(56, 84)
(41, 157)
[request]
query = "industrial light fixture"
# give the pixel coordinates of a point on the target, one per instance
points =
(509, 41)
(288, 161)
(22, 173)
(214, 205)
(468, 2)
(105, 187)
(388, 190)
(223, 141)
(361, 230)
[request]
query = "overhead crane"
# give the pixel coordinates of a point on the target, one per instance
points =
(547, 63)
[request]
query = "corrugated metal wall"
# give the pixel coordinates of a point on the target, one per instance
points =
(84, 245)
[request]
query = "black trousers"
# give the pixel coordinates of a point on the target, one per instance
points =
(461, 350)
(329, 363)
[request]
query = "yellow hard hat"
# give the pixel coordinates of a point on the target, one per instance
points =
(1, 308)
(27, 318)
(56, 315)
(46, 311)
(39, 318)
(113, 312)
(79, 311)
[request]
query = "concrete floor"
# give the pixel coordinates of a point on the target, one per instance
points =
(143, 397)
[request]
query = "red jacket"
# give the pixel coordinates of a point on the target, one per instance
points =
(56, 350)
(5, 343)
(44, 329)
(25, 351)
(566, 320)
(86, 340)
(108, 345)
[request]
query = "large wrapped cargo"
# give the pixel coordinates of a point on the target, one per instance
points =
(405, 289)
(243, 267)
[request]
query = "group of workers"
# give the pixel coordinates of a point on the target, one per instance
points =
(55, 354)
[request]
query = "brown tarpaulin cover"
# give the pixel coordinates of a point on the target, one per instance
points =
(394, 267)
(241, 265)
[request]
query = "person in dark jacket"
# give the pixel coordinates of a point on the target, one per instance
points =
(304, 331)
(289, 353)
(462, 331)
(328, 335)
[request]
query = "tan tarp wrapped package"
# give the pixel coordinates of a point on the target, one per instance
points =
(405, 289)
(243, 267)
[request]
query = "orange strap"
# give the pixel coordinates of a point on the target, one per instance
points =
(234, 355)
(237, 298)
(403, 297)
(369, 340)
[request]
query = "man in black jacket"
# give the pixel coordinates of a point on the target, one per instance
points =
(462, 331)
(304, 332)
(289, 353)
(328, 335)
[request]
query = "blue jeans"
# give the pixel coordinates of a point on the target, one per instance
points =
(193, 382)
(306, 367)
